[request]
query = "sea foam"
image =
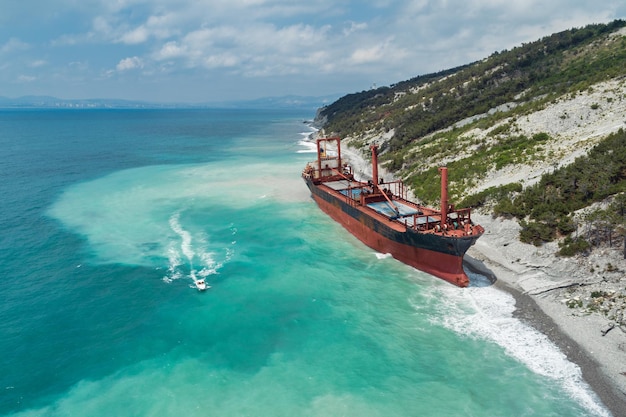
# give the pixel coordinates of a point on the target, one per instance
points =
(487, 313)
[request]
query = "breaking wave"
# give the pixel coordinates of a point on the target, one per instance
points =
(487, 313)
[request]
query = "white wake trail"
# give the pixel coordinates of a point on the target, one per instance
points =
(184, 235)
(193, 248)
(186, 248)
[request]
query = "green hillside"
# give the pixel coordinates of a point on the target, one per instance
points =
(469, 119)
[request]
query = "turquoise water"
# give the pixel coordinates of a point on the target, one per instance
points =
(106, 218)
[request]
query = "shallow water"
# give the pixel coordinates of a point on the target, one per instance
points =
(109, 215)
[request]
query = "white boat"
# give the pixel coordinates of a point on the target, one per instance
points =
(201, 285)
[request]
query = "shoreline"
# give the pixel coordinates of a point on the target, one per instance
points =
(533, 276)
(530, 312)
(540, 282)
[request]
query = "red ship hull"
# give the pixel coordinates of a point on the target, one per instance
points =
(379, 215)
(442, 265)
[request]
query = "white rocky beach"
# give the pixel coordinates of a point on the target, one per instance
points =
(554, 295)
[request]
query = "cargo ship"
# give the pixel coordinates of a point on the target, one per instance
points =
(379, 214)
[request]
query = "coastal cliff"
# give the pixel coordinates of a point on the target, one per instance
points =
(505, 124)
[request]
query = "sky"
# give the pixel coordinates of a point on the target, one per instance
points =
(197, 51)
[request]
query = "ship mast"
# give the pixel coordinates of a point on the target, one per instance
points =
(375, 184)
(328, 163)
(374, 149)
(444, 195)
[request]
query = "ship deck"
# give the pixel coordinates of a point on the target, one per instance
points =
(407, 214)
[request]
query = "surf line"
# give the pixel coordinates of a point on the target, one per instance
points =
(187, 249)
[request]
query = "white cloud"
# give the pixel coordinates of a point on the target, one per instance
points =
(135, 36)
(38, 63)
(129, 64)
(354, 27)
(158, 27)
(324, 42)
(13, 44)
(170, 50)
(258, 49)
(101, 24)
(26, 78)
(221, 60)
(366, 55)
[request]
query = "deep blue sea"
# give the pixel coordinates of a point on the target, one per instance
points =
(107, 215)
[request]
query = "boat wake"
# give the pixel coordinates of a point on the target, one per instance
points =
(189, 255)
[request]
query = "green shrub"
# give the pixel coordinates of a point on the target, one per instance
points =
(541, 137)
(509, 209)
(566, 225)
(572, 246)
(536, 233)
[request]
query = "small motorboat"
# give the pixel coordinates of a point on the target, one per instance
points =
(201, 285)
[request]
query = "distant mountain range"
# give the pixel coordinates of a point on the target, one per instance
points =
(284, 102)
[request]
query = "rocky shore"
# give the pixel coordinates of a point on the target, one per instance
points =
(577, 302)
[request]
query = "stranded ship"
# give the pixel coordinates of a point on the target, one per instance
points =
(379, 214)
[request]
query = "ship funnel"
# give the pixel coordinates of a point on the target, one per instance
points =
(374, 149)
(444, 195)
